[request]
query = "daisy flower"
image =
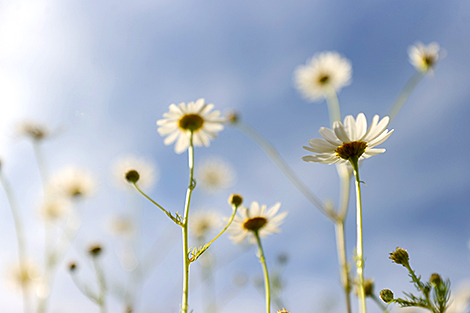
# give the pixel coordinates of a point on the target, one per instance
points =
(73, 183)
(349, 141)
(194, 117)
(323, 72)
(32, 130)
(204, 222)
(215, 174)
(256, 219)
(54, 208)
(126, 167)
(423, 57)
(24, 275)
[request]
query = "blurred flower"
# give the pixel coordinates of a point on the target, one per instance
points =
(147, 171)
(32, 130)
(348, 141)
(54, 208)
(323, 72)
(196, 117)
(256, 219)
(460, 299)
(203, 223)
(215, 174)
(423, 57)
(26, 275)
(72, 182)
(120, 226)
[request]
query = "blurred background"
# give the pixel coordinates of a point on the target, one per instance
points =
(98, 74)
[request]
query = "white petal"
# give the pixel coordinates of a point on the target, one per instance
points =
(361, 126)
(169, 140)
(377, 141)
(340, 132)
(273, 210)
(350, 127)
(182, 144)
(372, 152)
(319, 146)
(330, 136)
(376, 131)
(373, 124)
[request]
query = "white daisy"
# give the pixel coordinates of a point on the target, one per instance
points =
(73, 183)
(26, 275)
(349, 141)
(126, 166)
(204, 222)
(215, 174)
(120, 226)
(323, 72)
(256, 219)
(196, 117)
(423, 57)
(54, 208)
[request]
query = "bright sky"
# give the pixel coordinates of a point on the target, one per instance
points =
(102, 73)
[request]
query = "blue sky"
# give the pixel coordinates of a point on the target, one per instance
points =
(104, 72)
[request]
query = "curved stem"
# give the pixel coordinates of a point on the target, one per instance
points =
(360, 241)
(333, 106)
(410, 85)
(186, 261)
(262, 259)
(272, 153)
(234, 211)
(20, 238)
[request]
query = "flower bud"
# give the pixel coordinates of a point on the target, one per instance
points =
(368, 287)
(95, 251)
(72, 267)
(132, 176)
(386, 295)
(283, 311)
(400, 256)
(235, 200)
(435, 279)
(233, 117)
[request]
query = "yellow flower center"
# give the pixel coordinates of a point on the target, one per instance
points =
(350, 149)
(323, 79)
(191, 122)
(428, 61)
(255, 223)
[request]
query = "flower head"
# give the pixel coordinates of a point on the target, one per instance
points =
(32, 130)
(256, 219)
(351, 140)
(120, 226)
(72, 183)
(400, 256)
(54, 208)
(196, 117)
(134, 169)
(204, 222)
(322, 73)
(24, 275)
(423, 57)
(215, 174)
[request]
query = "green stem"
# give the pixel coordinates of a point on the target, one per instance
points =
(333, 106)
(158, 205)
(186, 261)
(360, 241)
(265, 272)
(234, 211)
(410, 85)
(101, 285)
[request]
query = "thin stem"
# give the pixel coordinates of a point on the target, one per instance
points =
(333, 106)
(262, 259)
(234, 211)
(272, 153)
(343, 263)
(20, 238)
(101, 285)
(360, 241)
(186, 261)
(158, 205)
(410, 85)
(379, 303)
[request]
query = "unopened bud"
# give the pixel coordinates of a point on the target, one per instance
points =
(72, 267)
(283, 311)
(95, 250)
(386, 295)
(368, 287)
(233, 117)
(235, 200)
(132, 176)
(435, 279)
(400, 256)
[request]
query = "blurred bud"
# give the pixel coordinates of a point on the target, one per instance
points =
(282, 258)
(369, 287)
(386, 295)
(283, 311)
(435, 279)
(95, 251)
(235, 200)
(233, 117)
(400, 256)
(132, 176)
(72, 267)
